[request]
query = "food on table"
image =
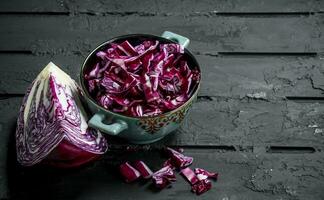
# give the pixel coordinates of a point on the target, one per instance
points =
(169, 163)
(179, 160)
(204, 174)
(143, 80)
(52, 124)
(145, 171)
(189, 175)
(163, 177)
(129, 173)
(201, 186)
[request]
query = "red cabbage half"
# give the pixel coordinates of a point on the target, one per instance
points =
(52, 125)
(143, 80)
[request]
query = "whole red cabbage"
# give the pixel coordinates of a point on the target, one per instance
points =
(52, 124)
(143, 80)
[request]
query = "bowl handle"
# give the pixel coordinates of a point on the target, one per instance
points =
(183, 41)
(112, 129)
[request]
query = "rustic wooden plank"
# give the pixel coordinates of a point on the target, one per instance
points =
(7, 133)
(32, 6)
(270, 77)
(242, 176)
(163, 7)
(238, 122)
(297, 176)
(209, 35)
(246, 122)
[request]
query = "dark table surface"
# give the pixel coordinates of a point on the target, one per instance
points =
(258, 120)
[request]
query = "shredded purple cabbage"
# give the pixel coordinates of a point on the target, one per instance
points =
(198, 179)
(189, 175)
(145, 171)
(179, 160)
(129, 173)
(163, 177)
(201, 186)
(143, 80)
(204, 174)
(169, 163)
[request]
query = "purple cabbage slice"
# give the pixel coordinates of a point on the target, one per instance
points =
(169, 163)
(145, 171)
(128, 49)
(178, 159)
(152, 77)
(201, 186)
(51, 113)
(129, 173)
(189, 175)
(163, 177)
(204, 174)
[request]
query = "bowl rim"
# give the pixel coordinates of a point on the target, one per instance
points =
(92, 53)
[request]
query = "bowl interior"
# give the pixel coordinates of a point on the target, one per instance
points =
(134, 39)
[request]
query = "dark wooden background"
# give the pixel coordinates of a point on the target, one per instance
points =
(259, 118)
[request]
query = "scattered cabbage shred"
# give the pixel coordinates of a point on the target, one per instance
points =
(198, 179)
(163, 177)
(143, 80)
(178, 160)
(129, 172)
(145, 171)
(50, 113)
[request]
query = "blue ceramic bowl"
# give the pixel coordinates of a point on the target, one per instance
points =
(138, 130)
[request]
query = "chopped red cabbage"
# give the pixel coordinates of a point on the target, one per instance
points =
(143, 169)
(189, 175)
(163, 177)
(129, 173)
(145, 80)
(204, 174)
(168, 163)
(201, 186)
(198, 178)
(179, 160)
